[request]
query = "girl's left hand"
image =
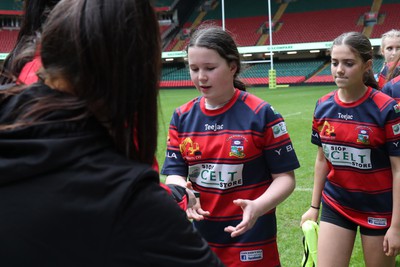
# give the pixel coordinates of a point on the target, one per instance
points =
(250, 216)
(391, 242)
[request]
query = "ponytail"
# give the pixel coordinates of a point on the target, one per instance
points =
(239, 84)
(369, 80)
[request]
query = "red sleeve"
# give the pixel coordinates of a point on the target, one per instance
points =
(28, 72)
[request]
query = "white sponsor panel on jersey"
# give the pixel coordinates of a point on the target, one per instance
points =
(219, 176)
(348, 156)
(396, 129)
(279, 129)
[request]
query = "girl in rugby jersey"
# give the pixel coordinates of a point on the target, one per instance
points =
(357, 168)
(392, 87)
(235, 150)
(390, 49)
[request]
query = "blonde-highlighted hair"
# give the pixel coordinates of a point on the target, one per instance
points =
(393, 33)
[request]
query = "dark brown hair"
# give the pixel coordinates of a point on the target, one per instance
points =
(109, 52)
(360, 45)
(215, 38)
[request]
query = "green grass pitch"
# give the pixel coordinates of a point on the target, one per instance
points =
(296, 104)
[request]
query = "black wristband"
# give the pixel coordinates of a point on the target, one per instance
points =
(317, 208)
(196, 193)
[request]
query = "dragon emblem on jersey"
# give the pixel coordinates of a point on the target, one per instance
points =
(237, 146)
(327, 130)
(189, 148)
(363, 136)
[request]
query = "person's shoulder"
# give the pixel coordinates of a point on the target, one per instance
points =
(254, 102)
(329, 96)
(391, 86)
(395, 81)
(382, 99)
(187, 106)
(135, 171)
(246, 96)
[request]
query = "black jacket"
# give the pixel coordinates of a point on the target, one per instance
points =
(67, 198)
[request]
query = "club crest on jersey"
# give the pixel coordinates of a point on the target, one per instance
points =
(326, 130)
(190, 149)
(363, 136)
(237, 146)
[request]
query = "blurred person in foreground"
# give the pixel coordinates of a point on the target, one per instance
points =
(23, 64)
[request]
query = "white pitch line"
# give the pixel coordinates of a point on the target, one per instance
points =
(303, 189)
(291, 114)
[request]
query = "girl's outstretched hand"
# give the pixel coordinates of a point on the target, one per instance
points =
(195, 212)
(250, 216)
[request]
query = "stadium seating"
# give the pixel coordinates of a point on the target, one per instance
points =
(391, 20)
(322, 25)
(7, 40)
(299, 22)
(290, 72)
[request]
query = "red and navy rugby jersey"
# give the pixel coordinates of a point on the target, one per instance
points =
(230, 153)
(384, 73)
(357, 139)
(392, 88)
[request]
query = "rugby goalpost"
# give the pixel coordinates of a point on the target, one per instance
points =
(271, 71)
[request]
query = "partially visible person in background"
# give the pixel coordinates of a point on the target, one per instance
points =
(357, 168)
(392, 87)
(23, 62)
(75, 188)
(235, 150)
(390, 49)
